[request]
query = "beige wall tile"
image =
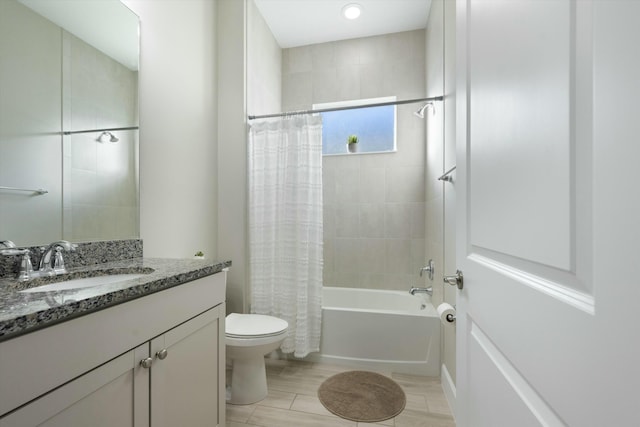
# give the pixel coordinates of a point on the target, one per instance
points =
(298, 60)
(398, 256)
(397, 221)
(360, 191)
(347, 220)
(371, 220)
(372, 256)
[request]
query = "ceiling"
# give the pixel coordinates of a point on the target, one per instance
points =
(303, 22)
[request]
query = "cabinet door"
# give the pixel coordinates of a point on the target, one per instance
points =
(115, 394)
(187, 376)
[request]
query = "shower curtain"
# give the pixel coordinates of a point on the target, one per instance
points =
(285, 226)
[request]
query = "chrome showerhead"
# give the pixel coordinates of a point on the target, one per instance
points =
(107, 137)
(420, 112)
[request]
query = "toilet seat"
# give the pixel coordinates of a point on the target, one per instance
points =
(253, 326)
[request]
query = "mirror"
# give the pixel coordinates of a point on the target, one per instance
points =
(68, 74)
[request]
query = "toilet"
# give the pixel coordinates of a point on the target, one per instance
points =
(249, 337)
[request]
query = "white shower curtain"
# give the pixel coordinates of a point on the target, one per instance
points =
(285, 226)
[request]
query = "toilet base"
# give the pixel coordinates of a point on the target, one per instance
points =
(248, 381)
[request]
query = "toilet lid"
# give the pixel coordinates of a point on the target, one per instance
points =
(253, 325)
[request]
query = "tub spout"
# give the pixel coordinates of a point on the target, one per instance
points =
(428, 291)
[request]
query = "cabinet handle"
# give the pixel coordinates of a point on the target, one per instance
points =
(162, 354)
(146, 363)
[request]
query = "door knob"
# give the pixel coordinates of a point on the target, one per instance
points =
(146, 363)
(162, 354)
(455, 280)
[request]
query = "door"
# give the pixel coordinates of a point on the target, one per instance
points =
(548, 206)
(121, 382)
(187, 375)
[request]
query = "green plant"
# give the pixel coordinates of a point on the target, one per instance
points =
(199, 253)
(353, 139)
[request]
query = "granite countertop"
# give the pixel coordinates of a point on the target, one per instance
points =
(21, 313)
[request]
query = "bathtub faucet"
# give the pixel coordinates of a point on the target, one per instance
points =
(428, 291)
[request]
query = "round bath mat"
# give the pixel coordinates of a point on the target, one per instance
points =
(362, 396)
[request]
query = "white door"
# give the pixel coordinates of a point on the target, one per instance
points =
(548, 238)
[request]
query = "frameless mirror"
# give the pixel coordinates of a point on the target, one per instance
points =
(68, 121)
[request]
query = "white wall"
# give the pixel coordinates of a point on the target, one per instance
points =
(250, 79)
(178, 127)
(264, 65)
(232, 230)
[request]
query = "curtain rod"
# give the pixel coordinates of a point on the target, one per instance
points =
(73, 132)
(351, 107)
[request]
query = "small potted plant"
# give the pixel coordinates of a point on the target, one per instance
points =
(352, 142)
(199, 255)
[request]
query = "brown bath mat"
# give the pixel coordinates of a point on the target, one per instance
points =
(362, 396)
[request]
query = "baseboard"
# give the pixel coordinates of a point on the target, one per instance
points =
(449, 388)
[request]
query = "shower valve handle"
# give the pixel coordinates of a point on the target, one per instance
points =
(428, 269)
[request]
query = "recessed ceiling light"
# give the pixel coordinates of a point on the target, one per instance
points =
(352, 11)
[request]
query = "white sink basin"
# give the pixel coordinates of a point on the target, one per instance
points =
(85, 282)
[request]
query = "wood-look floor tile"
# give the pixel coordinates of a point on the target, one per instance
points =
(278, 399)
(311, 404)
(387, 423)
(274, 417)
(299, 385)
(411, 418)
(415, 379)
(416, 402)
(416, 388)
(239, 413)
(293, 402)
(437, 402)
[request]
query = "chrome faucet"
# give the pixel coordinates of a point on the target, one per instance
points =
(428, 291)
(51, 262)
(8, 248)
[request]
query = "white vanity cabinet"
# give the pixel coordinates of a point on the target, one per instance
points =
(187, 386)
(114, 394)
(90, 371)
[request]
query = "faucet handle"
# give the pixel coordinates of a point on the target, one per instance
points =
(58, 262)
(26, 268)
(429, 269)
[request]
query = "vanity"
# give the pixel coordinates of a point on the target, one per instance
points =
(147, 351)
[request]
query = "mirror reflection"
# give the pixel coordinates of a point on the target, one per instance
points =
(68, 121)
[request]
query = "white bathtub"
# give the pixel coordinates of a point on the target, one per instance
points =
(373, 329)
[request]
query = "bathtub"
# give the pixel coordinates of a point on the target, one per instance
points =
(387, 330)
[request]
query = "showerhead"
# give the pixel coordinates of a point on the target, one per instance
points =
(420, 112)
(107, 137)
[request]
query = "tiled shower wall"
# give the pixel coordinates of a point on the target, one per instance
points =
(100, 201)
(374, 204)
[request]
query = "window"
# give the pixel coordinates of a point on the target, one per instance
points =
(375, 127)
